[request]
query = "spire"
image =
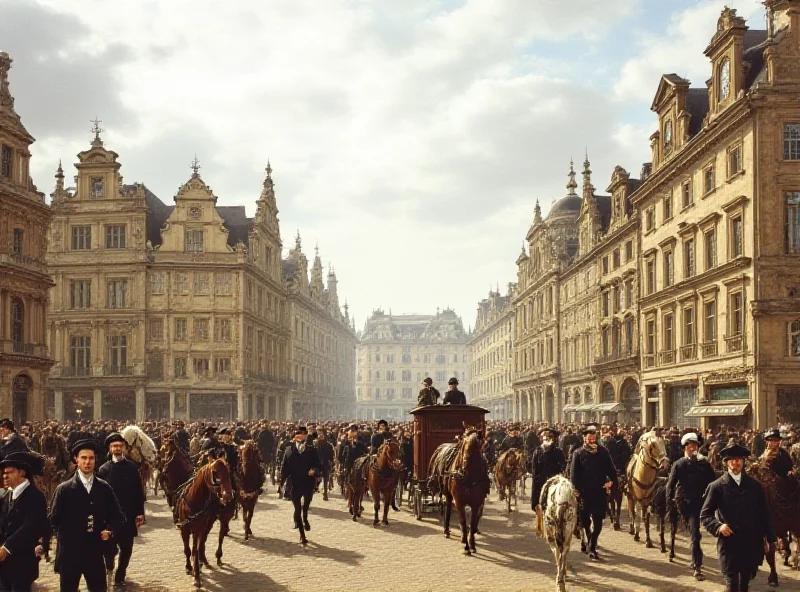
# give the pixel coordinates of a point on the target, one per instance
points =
(96, 129)
(588, 188)
(195, 166)
(6, 100)
(572, 185)
(59, 191)
(537, 217)
(297, 243)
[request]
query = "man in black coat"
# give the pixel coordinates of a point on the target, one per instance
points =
(352, 449)
(123, 477)
(182, 436)
(693, 474)
(380, 436)
(301, 463)
(735, 511)
(325, 452)
(11, 441)
(85, 514)
(453, 396)
(513, 440)
(23, 522)
(777, 459)
(548, 461)
(592, 474)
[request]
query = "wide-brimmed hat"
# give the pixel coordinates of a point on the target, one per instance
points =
(734, 451)
(589, 428)
(86, 444)
(690, 437)
(31, 463)
(300, 430)
(553, 433)
(115, 437)
(453, 380)
(383, 422)
(773, 434)
(428, 381)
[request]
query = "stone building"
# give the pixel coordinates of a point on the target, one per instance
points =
(172, 311)
(24, 279)
(490, 354)
(719, 233)
(397, 352)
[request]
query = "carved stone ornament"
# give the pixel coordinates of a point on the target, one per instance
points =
(729, 375)
(195, 212)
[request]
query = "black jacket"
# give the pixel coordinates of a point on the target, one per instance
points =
(123, 477)
(297, 466)
(325, 451)
(378, 438)
(455, 397)
(352, 451)
(182, 439)
(619, 450)
(694, 476)
(590, 471)
(13, 443)
(781, 463)
(265, 443)
(512, 442)
(21, 527)
(744, 508)
(69, 516)
(546, 463)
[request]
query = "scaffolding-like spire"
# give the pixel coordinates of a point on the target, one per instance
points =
(537, 216)
(572, 185)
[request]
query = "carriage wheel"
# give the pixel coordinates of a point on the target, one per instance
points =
(418, 504)
(398, 494)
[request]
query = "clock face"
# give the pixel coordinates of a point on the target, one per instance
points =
(195, 212)
(724, 79)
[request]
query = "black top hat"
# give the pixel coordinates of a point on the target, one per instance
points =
(428, 381)
(734, 451)
(453, 380)
(300, 430)
(383, 422)
(85, 445)
(553, 432)
(6, 423)
(352, 428)
(29, 462)
(114, 437)
(773, 434)
(223, 431)
(589, 428)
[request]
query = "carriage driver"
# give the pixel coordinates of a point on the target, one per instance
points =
(428, 395)
(735, 511)
(693, 473)
(453, 396)
(122, 475)
(548, 461)
(778, 460)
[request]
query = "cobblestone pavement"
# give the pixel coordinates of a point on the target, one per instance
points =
(406, 556)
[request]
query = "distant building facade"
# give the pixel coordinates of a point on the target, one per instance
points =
(397, 352)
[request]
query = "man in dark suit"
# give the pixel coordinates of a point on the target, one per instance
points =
(453, 396)
(123, 477)
(301, 463)
(23, 522)
(85, 513)
(11, 441)
(325, 452)
(735, 511)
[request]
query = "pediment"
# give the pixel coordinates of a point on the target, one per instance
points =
(195, 188)
(666, 89)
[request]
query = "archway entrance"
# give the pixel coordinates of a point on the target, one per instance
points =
(19, 399)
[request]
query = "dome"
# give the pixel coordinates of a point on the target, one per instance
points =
(569, 204)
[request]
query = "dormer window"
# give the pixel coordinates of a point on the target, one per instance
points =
(724, 79)
(97, 187)
(668, 136)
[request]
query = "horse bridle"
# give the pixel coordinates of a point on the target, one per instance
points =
(641, 457)
(215, 489)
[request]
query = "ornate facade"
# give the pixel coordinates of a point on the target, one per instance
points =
(490, 354)
(178, 311)
(24, 280)
(397, 352)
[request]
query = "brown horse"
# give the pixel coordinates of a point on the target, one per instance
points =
(509, 468)
(176, 469)
(460, 472)
(382, 475)
(356, 486)
(196, 510)
(252, 482)
(615, 497)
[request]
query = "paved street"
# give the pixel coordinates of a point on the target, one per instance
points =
(408, 556)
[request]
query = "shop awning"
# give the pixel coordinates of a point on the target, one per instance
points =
(585, 407)
(718, 410)
(570, 407)
(611, 407)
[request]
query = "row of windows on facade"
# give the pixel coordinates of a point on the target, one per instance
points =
(316, 337)
(618, 299)
(492, 385)
(405, 375)
(534, 356)
(689, 267)
(791, 148)
(117, 295)
(487, 361)
(424, 358)
(538, 306)
(499, 333)
(616, 258)
(116, 235)
(388, 394)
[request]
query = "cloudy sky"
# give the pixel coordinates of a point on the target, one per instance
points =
(410, 139)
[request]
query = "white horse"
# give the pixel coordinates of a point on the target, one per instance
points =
(140, 446)
(560, 518)
(649, 458)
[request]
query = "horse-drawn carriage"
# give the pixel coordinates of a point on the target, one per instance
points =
(435, 425)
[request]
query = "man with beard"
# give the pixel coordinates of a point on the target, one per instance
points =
(301, 463)
(593, 475)
(122, 475)
(693, 474)
(548, 461)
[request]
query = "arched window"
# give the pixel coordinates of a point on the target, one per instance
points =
(17, 321)
(724, 79)
(794, 338)
(667, 136)
(608, 393)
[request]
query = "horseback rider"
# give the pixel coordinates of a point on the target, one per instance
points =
(354, 448)
(777, 458)
(380, 436)
(453, 395)
(513, 440)
(694, 474)
(548, 461)
(618, 448)
(182, 436)
(428, 395)
(735, 511)
(593, 475)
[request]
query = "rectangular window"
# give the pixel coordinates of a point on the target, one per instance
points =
(650, 344)
(201, 284)
(222, 366)
(96, 187)
(669, 269)
(605, 265)
(81, 238)
(628, 250)
(616, 258)
(688, 258)
(222, 330)
(650, 219)
(80, 293)
(629, 293)
(686, 194)
(669, 332)
(688, 325)
(735, 313)
(201, 329)
(181, 329)
(201, 366)
(651, 276)
(117, 353)
(710, 239)
(194, 241)
(791, 141)
(80, 353)
(155, 366)
(708, 179)
(181, 283)
(710, 321)
(115, 237)
(157, 283)
(117, 294)
(7, 161)
(157, 330)
(791, 200)
(222, 284)
(737, 237)
(667, 207)
(180, 367)
(734, 161)
(606, 299)
(19, 241)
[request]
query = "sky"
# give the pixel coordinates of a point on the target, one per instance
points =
(409, 139)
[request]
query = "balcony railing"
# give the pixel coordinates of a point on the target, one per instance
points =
(688, 352)
(118, 371)
(709, 349)
(19, 260)
(734, 343)
(71, 371)
(622, 354)
(649, 360)
(667, 357)
(9, 346)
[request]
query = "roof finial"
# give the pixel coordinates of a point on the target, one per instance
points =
(6, 100)
(269, 170)
(537, 213)
(195, 165)
(297, 244)
(572, 185)
(96, 129)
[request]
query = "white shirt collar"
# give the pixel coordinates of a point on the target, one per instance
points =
(300, 447)
(17, 491)
(115, 459)
(737, 478)
(87, 483)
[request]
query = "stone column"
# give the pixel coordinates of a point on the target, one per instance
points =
(140, 404)
(59, 405)
(241, 410)
(188, 399)
(289, 405)
(663, 405)
(172, 405)
(97, 413)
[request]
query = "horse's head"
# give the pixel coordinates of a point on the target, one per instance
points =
(653, 446)
(249, 455)
(217, 478)
(390, 452)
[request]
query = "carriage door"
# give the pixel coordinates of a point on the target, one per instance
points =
(19, 402)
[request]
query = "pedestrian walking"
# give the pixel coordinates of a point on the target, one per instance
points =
(301, 463)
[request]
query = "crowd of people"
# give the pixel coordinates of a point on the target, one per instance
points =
(100, 508)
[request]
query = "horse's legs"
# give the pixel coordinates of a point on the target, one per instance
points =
(673, 523)
(663, 525)
(388, 495)
(448, 508)
(634, 516)
(185, 534)
(376, 503)
(772, 579)
(224, 527)
(202, 546)
(475, 516)
(646, 518)
(196, 534)
(462, 521)
(509, 493)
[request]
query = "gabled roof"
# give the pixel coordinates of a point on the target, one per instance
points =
(157, 214)
(667, 81)
(238, 224)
